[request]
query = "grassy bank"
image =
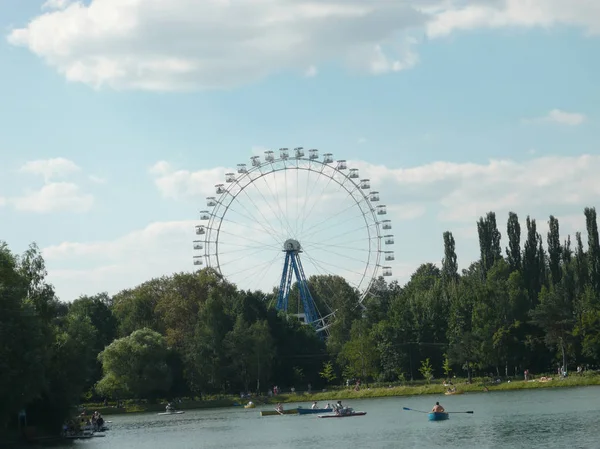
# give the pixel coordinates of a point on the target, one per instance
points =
(341, 393)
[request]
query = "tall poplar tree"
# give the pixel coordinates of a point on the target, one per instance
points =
(513, 251)
(554, 250)
(489, 241)
(593, 247)
(450, 260)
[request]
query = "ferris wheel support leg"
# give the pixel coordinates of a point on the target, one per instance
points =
(284, 286)
(308, 302)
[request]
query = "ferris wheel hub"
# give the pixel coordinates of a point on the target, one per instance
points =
(292, 245)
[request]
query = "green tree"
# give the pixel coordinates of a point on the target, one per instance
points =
(554, 315)
(450, 261)
(328, 373)
(513, 252)
(447, 367)
(359, 354)
(593, 248)
(555, 250)
(136, 366)
(23, 343)
(489, 241)
(426, 370)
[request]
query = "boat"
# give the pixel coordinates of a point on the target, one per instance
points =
(438, 416)
(347, 415)
(175, 412)
(250, 405)
(313, 411)
(292, 411)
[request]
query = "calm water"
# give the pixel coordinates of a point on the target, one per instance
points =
(549, 419)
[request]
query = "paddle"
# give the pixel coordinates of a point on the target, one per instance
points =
(278, 412)
(470, 411)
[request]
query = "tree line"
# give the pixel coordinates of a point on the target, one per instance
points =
(534, 306)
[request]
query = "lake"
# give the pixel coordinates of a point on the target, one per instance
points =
(529, 419)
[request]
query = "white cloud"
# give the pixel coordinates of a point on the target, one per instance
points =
(50, 168)
(53, 197)
(513, 13)
(215, 43)
(97, 179)
(211, 44)
(56, 4)
(560, 117)
(87, 268)
(311, 72)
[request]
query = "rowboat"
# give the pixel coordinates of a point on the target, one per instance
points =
(348, 415)
(178, 412)
(438, 416)
(292, 411)
(313, 411)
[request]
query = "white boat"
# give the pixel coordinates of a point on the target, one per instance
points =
(175, 412)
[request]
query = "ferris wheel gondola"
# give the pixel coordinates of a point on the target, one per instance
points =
(314, 216)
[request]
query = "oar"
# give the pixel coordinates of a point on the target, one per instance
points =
(278, 412)
(470, 411)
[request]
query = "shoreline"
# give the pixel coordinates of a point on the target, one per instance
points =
(349, 394)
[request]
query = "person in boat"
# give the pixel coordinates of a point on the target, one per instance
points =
(314, 405)
(279, 407)
(170, 407)
(437, 408)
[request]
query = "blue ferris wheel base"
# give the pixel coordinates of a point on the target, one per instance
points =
(293, 267)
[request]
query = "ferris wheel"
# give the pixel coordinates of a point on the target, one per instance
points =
(288, 216)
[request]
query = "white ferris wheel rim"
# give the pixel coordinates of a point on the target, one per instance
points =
(226, 195)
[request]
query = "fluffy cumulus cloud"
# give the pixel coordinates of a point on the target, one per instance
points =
(90, 267)
(50, 168)
(183, 44)
(421, 201)
(560, 117)
(54, 195)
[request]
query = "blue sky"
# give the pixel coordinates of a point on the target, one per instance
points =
(450, 109)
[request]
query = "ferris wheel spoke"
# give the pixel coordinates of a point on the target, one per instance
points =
(268, 229)
(343, 234)
(265, 221)
(308, 214)
(247, 247)
(261, 250)
(249, 239)
(315, 227)
(327, 245)
(252, 267)
(309, 195)
(281, 217)
(276, 196)
(235, 223)
(330, 251)
(238, 250)
(320, 264)
(257, 278)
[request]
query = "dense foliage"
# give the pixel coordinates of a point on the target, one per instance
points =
(535, 307)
